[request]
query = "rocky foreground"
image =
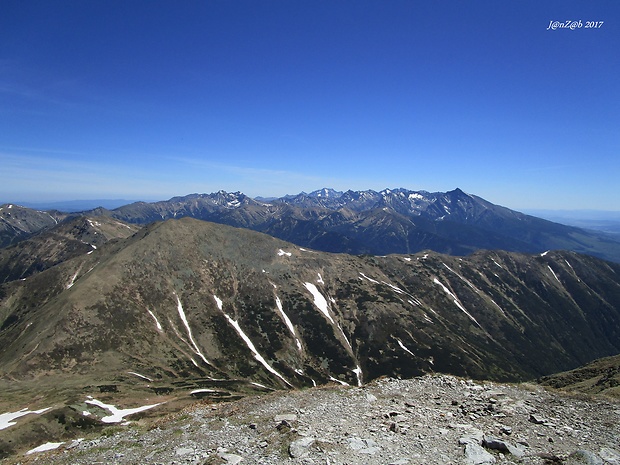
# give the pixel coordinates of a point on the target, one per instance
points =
(428, 420)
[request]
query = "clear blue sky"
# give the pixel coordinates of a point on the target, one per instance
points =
(151, 99)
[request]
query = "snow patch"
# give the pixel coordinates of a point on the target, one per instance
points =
(282, 252)
(331, 378)
(320, 279)
(200, 391)
(6, 419)
(358, 373)
(45, 447)
(319, 301)
(118, 414)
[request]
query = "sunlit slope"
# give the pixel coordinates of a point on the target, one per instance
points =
(186, 298)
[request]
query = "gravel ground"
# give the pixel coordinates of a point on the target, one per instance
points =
(428, 420)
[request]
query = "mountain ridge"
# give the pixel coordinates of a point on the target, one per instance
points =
(408, 221)
(370, 222)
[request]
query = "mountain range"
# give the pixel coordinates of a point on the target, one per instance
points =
(380, 223)
(148, 304)
(359, 222)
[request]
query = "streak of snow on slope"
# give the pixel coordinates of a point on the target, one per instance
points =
(554, 275)
(544, 253)
(200, 391)
(319, 301)
(140, 376)
(6, 419)
(252, 348)
(126, 225)
(478, 291)
(118, 414)
(189, 330)
(70, 285)
(497, 264)
(45, 447)
(402, 346)
(320, 279)
(159, 328)
(218, 301)
(331, 378)
(394, 288)
(500, 308)
(456, 301)
(573, 270)
(289, 323)
(282, 252)
(358, 373)
(369, 279)
(464, 279)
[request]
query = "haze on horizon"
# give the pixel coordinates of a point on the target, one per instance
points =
(105, 100)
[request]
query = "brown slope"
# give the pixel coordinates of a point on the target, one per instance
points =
(602, 376)
(68, 239)
(498, 315)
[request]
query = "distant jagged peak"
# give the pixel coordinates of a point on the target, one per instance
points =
(326, 192)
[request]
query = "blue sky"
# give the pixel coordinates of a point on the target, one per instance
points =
(152, 99)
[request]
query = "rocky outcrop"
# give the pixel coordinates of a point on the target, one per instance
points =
(432, 420)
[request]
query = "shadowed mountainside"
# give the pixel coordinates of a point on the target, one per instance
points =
(69, 238)
(379, 223)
